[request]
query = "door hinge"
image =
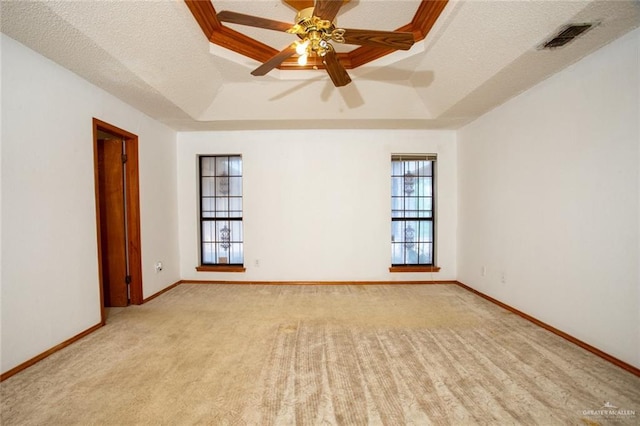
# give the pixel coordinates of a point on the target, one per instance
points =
(124, 158)
(127, 280)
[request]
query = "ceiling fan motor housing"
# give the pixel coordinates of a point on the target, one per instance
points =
(306, 23)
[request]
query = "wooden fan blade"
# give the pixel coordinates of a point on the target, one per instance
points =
(299, 4)
(251, 21)
(393, 39)
(335, 69)
(276, 60)
(327, 9)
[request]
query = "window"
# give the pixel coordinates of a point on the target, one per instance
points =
(412, 207)
(221, 211)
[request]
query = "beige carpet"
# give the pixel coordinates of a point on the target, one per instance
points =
(315, 355)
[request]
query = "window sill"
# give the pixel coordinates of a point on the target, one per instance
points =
(220, 268)
(416, 268)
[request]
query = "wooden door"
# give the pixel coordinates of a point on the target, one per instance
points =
(113, 225)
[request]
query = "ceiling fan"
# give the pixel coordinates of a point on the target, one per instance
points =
(315, 26)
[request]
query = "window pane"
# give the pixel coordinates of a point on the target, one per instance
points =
(222, 206)
(208, 253)
(208, 232)
(229, 242)
(412, 242)
(424, 187)
(397, 234)
(412, 205)
(410, 167)
(208, 207)
(397, 186)
(235, 186)
(235, 166)
(222, 257)
(424, 168)
(222, 186)
(236, 231)
(207, 186)
(223, 232)
(397, 168)
(235, 253)
(235, 207)
(425, 256)
(207, 166)
(410, 184)
(425, 231)
(397, 254)
(221, 189)
(222, 166)
(424, 205)
(397, 206)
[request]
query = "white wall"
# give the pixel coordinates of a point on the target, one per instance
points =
(50, 289)
(549, 188)
(317, 203)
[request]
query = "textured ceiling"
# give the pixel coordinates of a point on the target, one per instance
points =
(154, 56)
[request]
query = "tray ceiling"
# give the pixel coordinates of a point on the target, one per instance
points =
(155, 55)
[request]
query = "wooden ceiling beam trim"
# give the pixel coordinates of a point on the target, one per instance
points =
(422, 22)
(205, 15)
(203, 11)
(426, 16)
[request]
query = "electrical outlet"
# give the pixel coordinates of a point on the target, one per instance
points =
(256, 263)
(503, 277)
(483, 271)
(158, 267)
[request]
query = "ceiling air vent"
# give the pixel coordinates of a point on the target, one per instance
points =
(567, 34)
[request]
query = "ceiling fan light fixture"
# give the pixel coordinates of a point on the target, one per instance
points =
(301, 47)
(306, 21)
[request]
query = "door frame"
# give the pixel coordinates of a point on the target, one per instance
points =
(132, 203)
